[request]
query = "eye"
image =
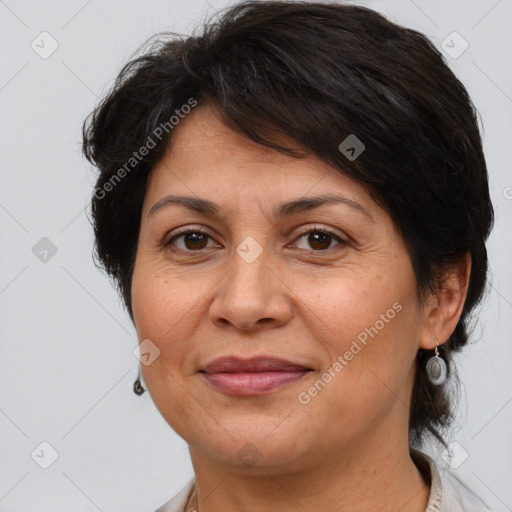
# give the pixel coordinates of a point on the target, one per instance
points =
(320, 239)
(194, 240)
(191, 240)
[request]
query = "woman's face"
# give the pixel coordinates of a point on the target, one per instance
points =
(330, 289)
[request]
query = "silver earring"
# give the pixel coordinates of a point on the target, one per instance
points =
(138, 389)
(436, 368)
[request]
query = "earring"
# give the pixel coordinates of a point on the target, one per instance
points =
(436, 368)
(138, 389)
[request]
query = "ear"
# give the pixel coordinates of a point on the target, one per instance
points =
(443, 309)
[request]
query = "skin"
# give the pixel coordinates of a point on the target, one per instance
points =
(300, 300)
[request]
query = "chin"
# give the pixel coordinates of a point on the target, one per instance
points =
(255, 444)
(253, 456)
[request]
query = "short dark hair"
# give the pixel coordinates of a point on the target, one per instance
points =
(316, 73)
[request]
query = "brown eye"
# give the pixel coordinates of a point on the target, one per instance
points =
(320, 240)
(193, 240)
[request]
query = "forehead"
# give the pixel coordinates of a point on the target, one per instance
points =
(202, 148)
(210, 171)
(202, 134)
(207, 160)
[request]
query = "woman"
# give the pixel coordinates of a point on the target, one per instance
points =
(295, 205)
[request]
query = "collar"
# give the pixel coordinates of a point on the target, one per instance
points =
(428, 469)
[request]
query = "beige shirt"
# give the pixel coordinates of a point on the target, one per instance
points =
(447, 492)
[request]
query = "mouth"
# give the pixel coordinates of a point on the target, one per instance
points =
(249, 377)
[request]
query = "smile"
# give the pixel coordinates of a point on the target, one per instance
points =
(251, 377)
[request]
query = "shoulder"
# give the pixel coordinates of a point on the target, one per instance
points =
(178, 502)
(458, 497)
(447, 492)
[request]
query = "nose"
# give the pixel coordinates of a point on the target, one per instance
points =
(252, 296)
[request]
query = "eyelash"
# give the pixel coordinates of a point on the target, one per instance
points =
(314, 229)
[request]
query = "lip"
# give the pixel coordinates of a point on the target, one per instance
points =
(254, 376)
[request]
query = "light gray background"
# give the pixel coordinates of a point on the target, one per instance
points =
(66, 358)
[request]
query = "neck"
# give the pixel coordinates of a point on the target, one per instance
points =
(367, 475)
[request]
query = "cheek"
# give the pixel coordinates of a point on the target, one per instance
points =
(367, 329)
(162, 310)
(163, 319)
(161, 303)
(368, 321)
(343, 307)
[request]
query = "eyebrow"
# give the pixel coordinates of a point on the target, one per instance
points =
(302, 204)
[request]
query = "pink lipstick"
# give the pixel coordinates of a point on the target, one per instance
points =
(255, 376)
